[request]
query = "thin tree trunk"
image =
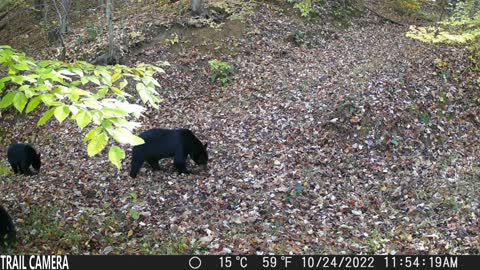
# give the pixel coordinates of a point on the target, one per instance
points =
(62, 30)
(39, 6)
(66, 8)
(196, 6)
(45, 14)
(62, 13)
(110, 30)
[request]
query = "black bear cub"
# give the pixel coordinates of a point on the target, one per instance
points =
(21, 156)
(163, 143)
(7, 230)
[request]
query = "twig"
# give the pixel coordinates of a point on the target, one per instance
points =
(383, 17)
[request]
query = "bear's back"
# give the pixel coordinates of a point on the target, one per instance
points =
(162, 134)
(17, 148)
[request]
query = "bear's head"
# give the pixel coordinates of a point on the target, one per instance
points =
(36, 163)
(201, 156)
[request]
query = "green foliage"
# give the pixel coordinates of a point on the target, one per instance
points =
(93, 96)
(424, 117)
(5, 170)
(297, 37)
(221, 71)
(343, 14)
(462, 27)
(474, 49)
(133, 212)
(347, 106)
(172, 40)
(304, 6)
(4, 4)
(375, 241)
(407, 7)
(93, 31)
(44, 225)
(236, 9)
(391, 138)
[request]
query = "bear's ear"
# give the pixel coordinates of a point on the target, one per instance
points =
(205, 145)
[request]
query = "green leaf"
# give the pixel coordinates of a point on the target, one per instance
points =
(48, 99)
(123, 84)
(92, 133)
(116, 76)
(66, 72)
(78, 71)
(19, 101)
(134, 214)
(46, 116)
(33, 103)
(61, 112)
(133, 195)
(73, 110)
(29, 92)
(95, 80)
(425, 117)
(114, 112)
(5, 79)
(97, 144)
(83, 118)
(73, 96)
(124, 136)
(21, 66)
(41, 87)
(115, 90)
(7, 100)
(115, 155)
(142, 92)
(84, 80)
(106, 74)
(101, 92)
(120, 122)
(394, 141)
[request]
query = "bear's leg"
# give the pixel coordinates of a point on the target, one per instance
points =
(15, 167)
(154, 163)
(25, 168)
(180, 162)
(135, 166)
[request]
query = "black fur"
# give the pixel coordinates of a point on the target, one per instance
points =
(8, 235)
(21, 156)
(163, 143)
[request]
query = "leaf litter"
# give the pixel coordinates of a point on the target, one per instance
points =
(351, 143)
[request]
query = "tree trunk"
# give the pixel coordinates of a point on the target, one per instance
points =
(110, 51)
(64, 22)
(39, 6)
(62, 8)
(196, 6)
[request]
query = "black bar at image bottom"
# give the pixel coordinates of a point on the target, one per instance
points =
(234, 262)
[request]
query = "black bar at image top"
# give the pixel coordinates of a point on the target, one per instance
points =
(239, 262)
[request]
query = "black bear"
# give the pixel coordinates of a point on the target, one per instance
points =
(163, 143)
(8, 235)
(21, 156)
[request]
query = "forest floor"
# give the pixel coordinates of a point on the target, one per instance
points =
(351, 140)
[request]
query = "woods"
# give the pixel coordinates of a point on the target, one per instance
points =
(333, 127)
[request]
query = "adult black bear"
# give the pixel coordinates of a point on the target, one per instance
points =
(163, 143)
(21, 156)
(8, 234)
